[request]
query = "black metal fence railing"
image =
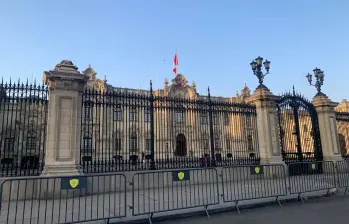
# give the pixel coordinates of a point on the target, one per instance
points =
(342, 119)
(133, 130)
(23, 119)
(68, 199)
(154, 192)
(342, 168)
(312, 176)
(252, 182)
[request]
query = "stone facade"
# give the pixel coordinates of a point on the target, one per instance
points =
(234, 133)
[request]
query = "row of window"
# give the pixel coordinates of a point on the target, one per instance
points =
(133, 143)
(179, 116)
(117, 143)
(9, 143)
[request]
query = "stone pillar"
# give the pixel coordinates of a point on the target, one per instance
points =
(66, 83)
(328, 127)
(267, 124)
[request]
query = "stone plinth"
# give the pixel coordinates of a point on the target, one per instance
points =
(66, 84)
(328, 127)
(267, 123)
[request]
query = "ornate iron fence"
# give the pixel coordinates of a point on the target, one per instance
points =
(23, 119)
(342, 119)
(299, 129)
(133, 130)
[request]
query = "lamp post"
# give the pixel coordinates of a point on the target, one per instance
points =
(256, 66)
(319, 75)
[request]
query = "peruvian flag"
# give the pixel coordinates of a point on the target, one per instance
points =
(175, 64)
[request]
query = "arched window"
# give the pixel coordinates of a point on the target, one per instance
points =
(31, 140)
(87, 147)
(133, 141)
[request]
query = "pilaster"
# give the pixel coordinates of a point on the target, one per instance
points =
(267, 124)
(328, 127)
(66, 83)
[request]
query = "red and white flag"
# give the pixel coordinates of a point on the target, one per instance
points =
(175, 64)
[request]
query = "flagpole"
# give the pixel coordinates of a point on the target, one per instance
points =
(177, 60)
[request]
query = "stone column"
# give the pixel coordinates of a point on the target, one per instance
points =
(66, 83)
(328, 127)
(267, 124)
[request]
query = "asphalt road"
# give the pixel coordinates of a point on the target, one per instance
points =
(318, 211)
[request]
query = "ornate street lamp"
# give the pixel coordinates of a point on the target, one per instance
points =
(256, 66)
(319, 75)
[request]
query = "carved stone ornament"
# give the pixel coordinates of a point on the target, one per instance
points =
(65, 76)
(179, 80)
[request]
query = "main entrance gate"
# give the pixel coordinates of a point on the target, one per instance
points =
(299, 129)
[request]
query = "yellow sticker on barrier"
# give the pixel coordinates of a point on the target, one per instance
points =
(313, 166)
(181, 175)
(257, 170)
(74, 183)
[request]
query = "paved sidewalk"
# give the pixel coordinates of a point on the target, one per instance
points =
(320, 211)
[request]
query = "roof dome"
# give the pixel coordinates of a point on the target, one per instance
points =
(90, 70)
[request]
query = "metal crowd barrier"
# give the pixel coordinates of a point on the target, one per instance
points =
(311, 176)
(253, 182)
(63, 199)
(343, 174)
(168, 190)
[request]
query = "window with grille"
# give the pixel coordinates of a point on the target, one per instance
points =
(179, 116)
(133, 114)
(250, 143)
(217, 142)
(205, 143)
(215, 119)
(203, 118)
(117, 144)
(9, 144)
(31, 140)
(148, 145)
(228, 145)
(88, 111)
(305, 128)
(147, 114)
(133, 141)
(248, 122)
(117, 114)
(87, 143)
(226, 119)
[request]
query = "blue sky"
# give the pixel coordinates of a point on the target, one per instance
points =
(132, 41)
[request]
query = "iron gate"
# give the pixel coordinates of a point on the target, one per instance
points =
(299, 129)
